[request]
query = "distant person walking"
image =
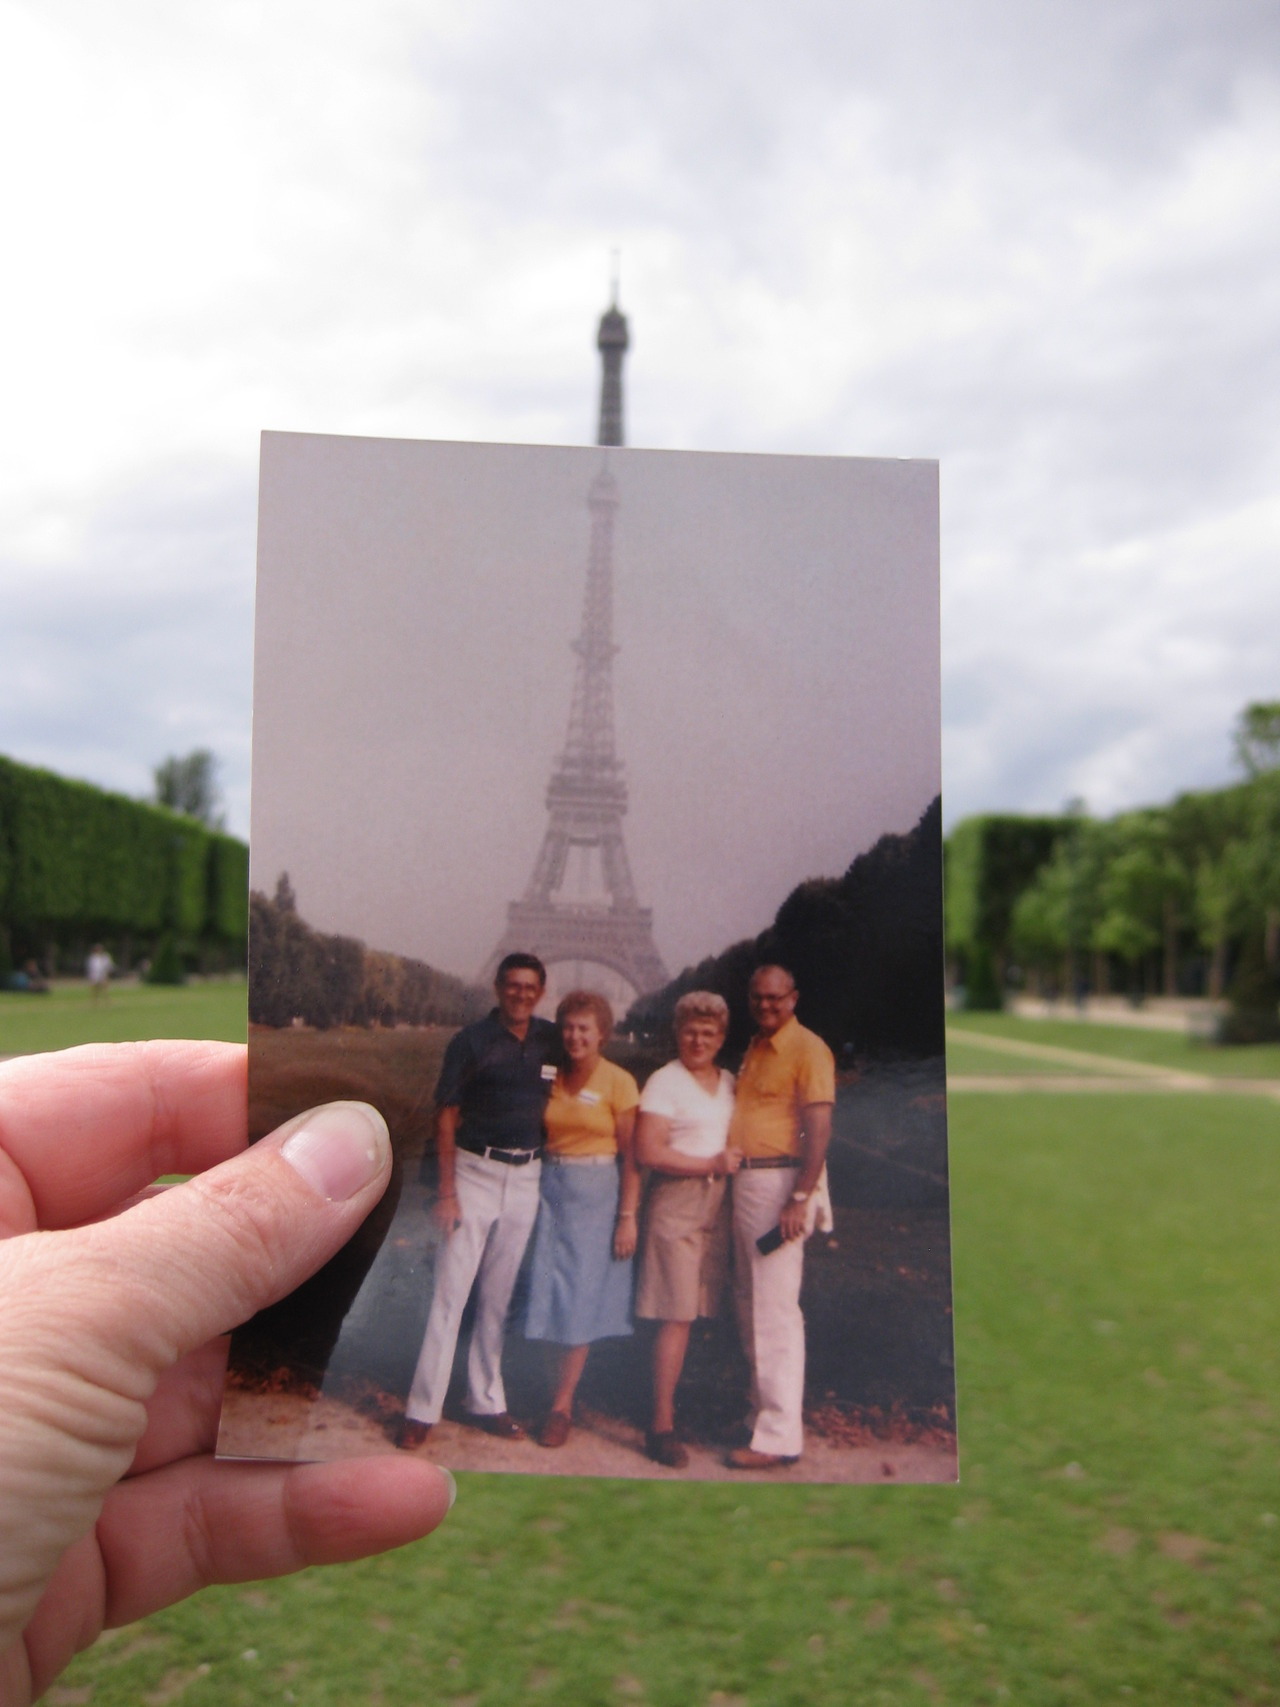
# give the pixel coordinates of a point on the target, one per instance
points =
(782, 1124)
(490, 1099)
(98, 968)
(580, 1272)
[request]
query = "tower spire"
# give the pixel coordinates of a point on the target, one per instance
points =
(612, 341)
(580, 908)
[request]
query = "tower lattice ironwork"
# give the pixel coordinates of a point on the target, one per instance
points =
(587, 795)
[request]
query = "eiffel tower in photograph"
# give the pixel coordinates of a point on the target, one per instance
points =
(580, 913)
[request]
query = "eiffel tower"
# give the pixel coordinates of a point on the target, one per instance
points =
(580, 913)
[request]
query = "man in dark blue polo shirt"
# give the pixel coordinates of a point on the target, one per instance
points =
(493, 1088)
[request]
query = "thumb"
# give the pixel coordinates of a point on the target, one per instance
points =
(197, 1260)
(114, 1304)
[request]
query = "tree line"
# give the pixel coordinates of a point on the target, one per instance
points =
(1182, 899)
(322, 980)
(866, 950)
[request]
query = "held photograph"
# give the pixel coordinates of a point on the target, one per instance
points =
(596, 842)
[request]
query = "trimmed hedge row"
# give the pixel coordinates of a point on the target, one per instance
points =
(990, 860)
(77, 860)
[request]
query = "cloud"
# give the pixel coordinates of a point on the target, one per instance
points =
(1039, 243)
(141, 646)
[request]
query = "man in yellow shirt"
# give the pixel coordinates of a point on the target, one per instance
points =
(782, 1124)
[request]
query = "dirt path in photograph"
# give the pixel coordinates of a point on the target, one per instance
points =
(1099, 1072)
(290, 1427)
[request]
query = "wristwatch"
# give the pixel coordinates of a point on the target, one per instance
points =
(801, 1196)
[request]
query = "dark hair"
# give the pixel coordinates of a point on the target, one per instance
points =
(587, 1002)
(519, 962)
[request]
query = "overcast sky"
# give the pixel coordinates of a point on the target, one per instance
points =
(1038, 242)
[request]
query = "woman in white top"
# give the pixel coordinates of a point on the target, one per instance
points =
(682, 1137)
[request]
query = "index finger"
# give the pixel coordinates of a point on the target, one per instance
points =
(83, 1129)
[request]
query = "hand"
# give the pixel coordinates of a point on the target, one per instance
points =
(624, 1237)
(445, 1210)
(732, 1159)
(111, 1505)
(793, 1220)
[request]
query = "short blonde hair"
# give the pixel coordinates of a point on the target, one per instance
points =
(587, 1002)
(700, 1004)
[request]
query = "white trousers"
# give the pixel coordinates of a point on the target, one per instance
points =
(497, 1204)
(766, 1292)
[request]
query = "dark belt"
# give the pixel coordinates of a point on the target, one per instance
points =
(770, 1162)
(513, 1158)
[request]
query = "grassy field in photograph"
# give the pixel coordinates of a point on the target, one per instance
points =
(69, 1015)
(1172, 1049)
(1114, 1537)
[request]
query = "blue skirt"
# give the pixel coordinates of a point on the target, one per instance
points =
(578, 1291)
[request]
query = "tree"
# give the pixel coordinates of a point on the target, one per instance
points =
(990, 860)
(865, 949)
(190, 785)
(1142, 895)
(1260, 857)
(1221, 908)
(1040, 936)
(1055, 916)
(1254, 995)
(1257, 737)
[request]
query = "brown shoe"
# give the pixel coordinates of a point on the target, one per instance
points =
(665, 1449)
(747, 1458)
(412, 1434)
(555, 1429)
(502, 1424)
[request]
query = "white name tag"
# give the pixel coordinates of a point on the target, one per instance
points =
(548, 1073)
(589, 1096)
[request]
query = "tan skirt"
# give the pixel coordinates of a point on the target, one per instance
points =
(684, 1248)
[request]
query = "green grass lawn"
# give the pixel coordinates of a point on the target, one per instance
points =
(68, 1015)
(1114, 1537)
(1127, 1043)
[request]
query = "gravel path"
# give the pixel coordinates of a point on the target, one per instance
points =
(284, 1426)
(1101, 1072)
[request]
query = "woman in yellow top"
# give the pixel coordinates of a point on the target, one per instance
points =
(580, 1272)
